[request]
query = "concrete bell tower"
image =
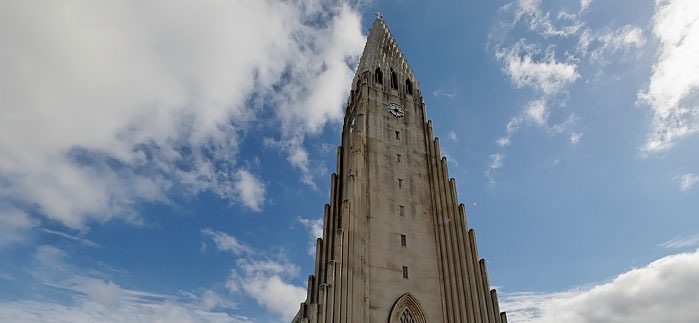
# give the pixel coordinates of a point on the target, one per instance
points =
(396, 246)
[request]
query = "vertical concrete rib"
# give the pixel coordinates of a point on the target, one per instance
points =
(439, 225)
(339, 277)
(327, 229)
(321, 302)
(446, 223)
(364, 217)
(486, 289)
(346, 291)
(338, 241)
(351, 247)
(477, 273)
(496, 305)
(461, 232)
(454, 229)
(435, 218)
(330, 292)
(319, 259)
(473, 291)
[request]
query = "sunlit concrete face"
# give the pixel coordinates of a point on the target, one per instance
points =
(395, 241)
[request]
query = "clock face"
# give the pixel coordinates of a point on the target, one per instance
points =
(396, 110)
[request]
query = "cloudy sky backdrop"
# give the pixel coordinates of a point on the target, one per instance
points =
(169, 160)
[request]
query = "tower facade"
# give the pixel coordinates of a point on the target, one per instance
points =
(396, 246)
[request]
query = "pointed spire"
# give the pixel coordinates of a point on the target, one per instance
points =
(382, 51)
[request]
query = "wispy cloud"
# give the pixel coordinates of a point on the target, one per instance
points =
(84, 241)
(682, 242)
(540, 21)
(226, 242)
(687, 181)
(496, 162)
(444, 93)
(599, 47)
(575, 137)
(624, 299)
(541, 50)
(93, 297)
(315, 231)
(452, 136)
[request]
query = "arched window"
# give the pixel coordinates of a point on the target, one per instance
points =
(407, 310)
(408, 86)
(406, 317)
(378, 75)
(394, 80)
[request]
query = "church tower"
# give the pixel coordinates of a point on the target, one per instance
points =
(396, 247)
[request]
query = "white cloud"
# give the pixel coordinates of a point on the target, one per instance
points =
(225, 242)
(672, 90)
(584, 5)
(210, 299)
(504, 141)
(663, 291)
(687, 181)
(264, 281)
(14, 225)
(537, 112)
(261, 278)
(315, 231)
(528, 66)
(106, 293)
(111, 104)
(544, 73)
(249, 190)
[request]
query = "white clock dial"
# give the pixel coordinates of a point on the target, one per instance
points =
(396, 110)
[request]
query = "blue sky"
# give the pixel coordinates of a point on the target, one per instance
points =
(169, 160)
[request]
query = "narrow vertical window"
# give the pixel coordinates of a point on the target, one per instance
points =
(405, 272)
(400, 182)
(403, 240)
(378, 75)
(406, 317)
(394, 80)
(397, 158)
(408, 86)
(401, 210)
(397, 135)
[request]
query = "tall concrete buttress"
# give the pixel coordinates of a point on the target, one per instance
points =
(396, 247)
